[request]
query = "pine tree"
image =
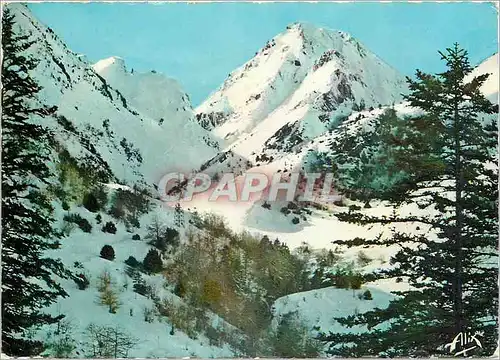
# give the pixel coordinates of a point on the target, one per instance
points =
(449, 155)
(152, 262)
(162, 237)
(363, 161)
(27, 231)
(179, 216)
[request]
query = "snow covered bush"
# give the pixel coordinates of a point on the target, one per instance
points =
(132, 261)
(152, 262)
(108, 253)
(367, 295)
(82, 223)
(81, 281)
(110, 227)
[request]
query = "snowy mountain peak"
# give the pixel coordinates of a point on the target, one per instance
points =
(113, 63)
(295, 88)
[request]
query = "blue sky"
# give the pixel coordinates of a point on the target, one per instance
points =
(200, 44)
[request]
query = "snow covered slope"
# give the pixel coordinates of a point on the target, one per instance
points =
(318, 308)
(151, 93)
(490, 87)
(155, 96)
(124, 133)
(153, 335)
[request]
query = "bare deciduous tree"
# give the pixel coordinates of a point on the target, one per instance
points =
(108, 342)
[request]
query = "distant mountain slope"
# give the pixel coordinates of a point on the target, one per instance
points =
(155, 96)
(490, 87)
(123, 133)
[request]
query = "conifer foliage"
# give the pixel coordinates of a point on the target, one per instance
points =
(449, 157)
(27, 231)
(152, 262)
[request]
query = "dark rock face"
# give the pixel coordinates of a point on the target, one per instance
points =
(326, 57)
(285, 138)
(210, 120)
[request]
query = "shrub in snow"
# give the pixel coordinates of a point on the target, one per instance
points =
(98, 218)
(81, 281)
(295, 220)
(140, 287)
(285, 210)
(367, 295)
(109, 228)
(342, 282)
(189, 319)
(82, 223)
(65, 206)
(359, 107)
(117, 212)
(354, 207)
(292, 206)
(96, 199)
(356, 281)
(266, 205)
(108, 253)
(136, 237)
(347, 279)
(128, 205)
(132, 261)
(131, 220)
(152, 262)
(214, 336)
